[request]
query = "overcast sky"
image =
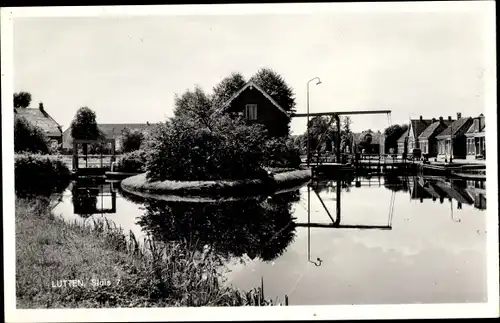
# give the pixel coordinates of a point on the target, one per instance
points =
(127, 69)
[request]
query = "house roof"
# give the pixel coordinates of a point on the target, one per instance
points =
(403, 136)
(40, 119)
(432, 129)
(455, 126)
(110, 130)
(472, 128)
(246, 86)
(358, 136)
(419, 125)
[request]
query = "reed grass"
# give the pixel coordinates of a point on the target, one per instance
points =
(143, 273)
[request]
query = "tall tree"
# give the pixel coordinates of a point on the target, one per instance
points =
(22, 99)
(226, 88)
(392, 134)
(275, 85)
(131, 140)
(321, 130)
(194, 106)
(346, 133)
(84, 126)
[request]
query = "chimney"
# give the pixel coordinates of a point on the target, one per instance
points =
(459, 115)
(449, 118)
(421, 118)
(433, 120)
(40, 106)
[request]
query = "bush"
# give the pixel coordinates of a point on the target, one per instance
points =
(29, 138)
(132, 162)
(182, 150)
(281, 153)
(131, 140)
(39, 174)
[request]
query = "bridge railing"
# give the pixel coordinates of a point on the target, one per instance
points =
(348, 158)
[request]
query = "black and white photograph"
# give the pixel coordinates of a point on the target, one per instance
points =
(250, 161)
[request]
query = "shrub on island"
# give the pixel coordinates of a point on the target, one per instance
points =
(229, 149)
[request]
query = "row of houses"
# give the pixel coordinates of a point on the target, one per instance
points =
(251, 102)
(460, 138)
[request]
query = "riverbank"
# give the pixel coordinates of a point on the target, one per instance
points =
(72, 265)
(276, 182)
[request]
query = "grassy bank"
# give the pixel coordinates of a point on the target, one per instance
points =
(102, 267)
(279, 180)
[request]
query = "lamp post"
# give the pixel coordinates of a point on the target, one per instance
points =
(309, 139)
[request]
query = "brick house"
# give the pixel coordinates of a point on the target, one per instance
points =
(454, 133)
(110, 131)
(257, 106)
(476, 139)
(427, 139)
(415, 129)
(40, 118)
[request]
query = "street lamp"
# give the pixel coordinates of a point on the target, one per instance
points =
(309, 139)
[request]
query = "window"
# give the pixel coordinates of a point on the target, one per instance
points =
(251, 111)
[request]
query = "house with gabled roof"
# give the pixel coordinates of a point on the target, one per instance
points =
(476, 139)
(416, 127)
(42, 119)
(109, 131)
(257, 106)
(427, 139)
(452, 140)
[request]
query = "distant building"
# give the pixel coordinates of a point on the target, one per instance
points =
(40, 118)
(110, 131)
(455, 133)
(476, 139)
(257, 106)
(416, 127)
(376, 145)
(427, 139)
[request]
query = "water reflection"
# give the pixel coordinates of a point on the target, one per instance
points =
(91, 197)
(333, 243)
(423, 188)
(260, 228)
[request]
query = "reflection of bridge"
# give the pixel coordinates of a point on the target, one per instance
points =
(336, 220)
(90, 197)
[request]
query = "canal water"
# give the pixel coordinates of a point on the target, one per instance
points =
(378, 240)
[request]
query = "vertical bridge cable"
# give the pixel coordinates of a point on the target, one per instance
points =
(391, 208)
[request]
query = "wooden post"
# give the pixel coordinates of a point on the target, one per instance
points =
(337, 139)
(112, 159)
(75, 156)
(262, 288)
(101, 153)
(286, 300)
(339, 192)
